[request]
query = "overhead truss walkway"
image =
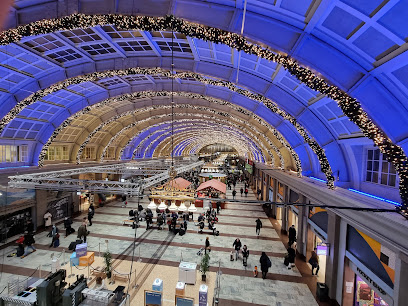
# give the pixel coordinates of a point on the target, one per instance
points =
(145, 174)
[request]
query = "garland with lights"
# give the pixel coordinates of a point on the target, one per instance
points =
(151, 94)
(350, 106)
(213, 135)
(184, 126)
(166, 107)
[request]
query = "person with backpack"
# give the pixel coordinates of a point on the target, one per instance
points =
(29, 242)
(258, 226)
(246, 192)
(234, 193)
(237, 245)
(314, 261)
(242, 191)
(265, 264)
(91, 212)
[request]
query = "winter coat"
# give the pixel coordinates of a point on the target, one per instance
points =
(82, 232)
(258, 223)
(292, 233)
(29, 239)
(264, 261)
(47, 218)
(237, 245)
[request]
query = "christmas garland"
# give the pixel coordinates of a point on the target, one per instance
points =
(350, 106)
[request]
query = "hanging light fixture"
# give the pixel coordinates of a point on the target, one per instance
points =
(162, 205)
(152, 205)
(173, 206)
(192, 207)
(182, 206)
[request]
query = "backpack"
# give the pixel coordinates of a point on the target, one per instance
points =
(268, 261)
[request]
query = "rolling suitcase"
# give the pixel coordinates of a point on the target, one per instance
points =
(232, 256)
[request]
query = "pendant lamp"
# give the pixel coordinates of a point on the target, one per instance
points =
(162, 205)
(173, 206)
(182, 207)
(152, 205)
(192, 207)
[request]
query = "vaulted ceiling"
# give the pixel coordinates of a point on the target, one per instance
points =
(358, 46)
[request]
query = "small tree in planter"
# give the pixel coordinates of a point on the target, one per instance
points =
(108, 264)
(204, 266)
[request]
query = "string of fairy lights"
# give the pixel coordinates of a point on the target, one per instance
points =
(324, 163)
(349, 105)
(151, 94)
(203, 109)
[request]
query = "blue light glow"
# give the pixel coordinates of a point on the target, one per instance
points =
(317, 179)
(375, 197)
(14, 167)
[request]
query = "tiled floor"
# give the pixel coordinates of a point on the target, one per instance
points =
(237, 284)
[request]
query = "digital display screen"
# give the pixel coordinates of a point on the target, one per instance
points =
(322, 250)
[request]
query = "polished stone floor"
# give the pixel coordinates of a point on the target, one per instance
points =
(237, 220)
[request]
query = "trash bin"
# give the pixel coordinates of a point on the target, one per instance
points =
(322, 292)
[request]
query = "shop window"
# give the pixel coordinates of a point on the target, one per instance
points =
(110, 153)
(366, 296)
(57, 153)
(89, 153)
(379, 170)
(13, 154)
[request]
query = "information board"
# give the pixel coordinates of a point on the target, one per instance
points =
(153, 298)
(184, 301)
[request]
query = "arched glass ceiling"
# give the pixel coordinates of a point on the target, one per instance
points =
(363, 54)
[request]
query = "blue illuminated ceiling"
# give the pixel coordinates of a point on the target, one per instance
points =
(358, 46)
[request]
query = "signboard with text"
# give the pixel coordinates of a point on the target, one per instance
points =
(184, 301)
(153, 298)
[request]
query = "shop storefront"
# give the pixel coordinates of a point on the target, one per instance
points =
(317, 239)
(368, 273)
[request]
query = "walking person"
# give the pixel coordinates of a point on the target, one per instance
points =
(29, 242)
(234, 193)
(82, 232)
(245, 254)
(258, 226)
(242, 191)
(314, 261)
(207, 245)
(265, 264)
(291, 257)
(259, 193)
(53, 234)
(91, 212)
(218, 206)
(292, 235)
(237, 246)
(246, 192)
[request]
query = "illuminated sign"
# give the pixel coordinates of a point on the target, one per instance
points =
(322, 249)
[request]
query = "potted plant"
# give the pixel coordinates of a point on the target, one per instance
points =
(108, 264)
(204, 266)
